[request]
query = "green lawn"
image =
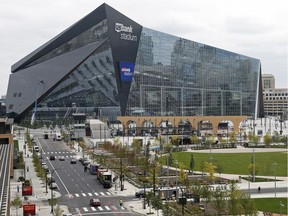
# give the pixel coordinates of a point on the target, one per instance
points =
(237, 163)
(271, 205)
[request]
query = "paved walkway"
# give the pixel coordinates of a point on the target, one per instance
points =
(40, 196)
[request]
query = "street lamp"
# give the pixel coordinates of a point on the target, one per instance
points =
(253, 163)
(281, 205)
(275, 166)
(176, 162)
(211, 159)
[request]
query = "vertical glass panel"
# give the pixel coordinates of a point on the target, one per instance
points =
(197, 79)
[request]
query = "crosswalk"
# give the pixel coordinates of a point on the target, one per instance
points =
(59, 152)
(98, 194)
(100, 209)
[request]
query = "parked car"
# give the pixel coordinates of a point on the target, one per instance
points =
(95, 202)
(62, 158)
(53, 186)
(85, 162)
(21, 179)
(140, 194)
(52, 157)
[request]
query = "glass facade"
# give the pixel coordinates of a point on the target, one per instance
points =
(82, 68)
(176, 76)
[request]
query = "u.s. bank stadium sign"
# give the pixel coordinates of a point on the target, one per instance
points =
(126, 32)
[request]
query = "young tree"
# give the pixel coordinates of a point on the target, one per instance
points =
(248, 205)
(218, 200)
(206, 194)
(267, 139)
(234, 196)
(210, 168)
(57, 211)
(192, 164)
(156, 203)
(17, 203)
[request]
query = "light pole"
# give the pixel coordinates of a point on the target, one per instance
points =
(281, 205)
(176, 162)
(211, 159)
(253, 163)
(249, 179)
(275, 166)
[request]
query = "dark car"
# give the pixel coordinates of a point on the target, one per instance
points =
(95, 202)
(140, 194)
(85, 162)
(52, 157)
(73, 161)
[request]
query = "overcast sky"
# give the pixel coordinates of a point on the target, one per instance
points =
(255, 28)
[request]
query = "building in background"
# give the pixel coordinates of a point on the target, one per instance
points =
(108, 65)
(275, 99)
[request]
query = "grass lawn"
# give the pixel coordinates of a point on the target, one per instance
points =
(237, 163)
(271, 205)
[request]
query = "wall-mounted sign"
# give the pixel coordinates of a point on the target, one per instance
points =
(126, 70)
(126, 32)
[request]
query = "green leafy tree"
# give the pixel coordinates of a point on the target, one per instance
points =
(248, 205)
(195, 140)
(250, 169)
(156, 203)
(192, 163)
(206, 194)
(57, 211)
(17, 203)
(219, 168)
(234, 196)
(267, 139)
(210, 168)
(218, 201)
(136, 145)
(232, 137)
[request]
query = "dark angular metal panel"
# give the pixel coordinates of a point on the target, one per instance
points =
(85, 23)
(40, 79)
(124, 35)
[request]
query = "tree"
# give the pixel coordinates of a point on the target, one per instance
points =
(218, 201)
(17, 203)
(156, 203)
(248, 205)
(234, 196)
(206, 193)
(267, 139)
(136, 145)
(210, 168)
(232, 137)
(250, 169)
(57, 211)
(166, 210)
(219, 168)
(192, 163)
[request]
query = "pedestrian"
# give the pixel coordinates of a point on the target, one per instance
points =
(27, 168)
(85, 168)
(259, 189)
(18, 188)
(121, 202)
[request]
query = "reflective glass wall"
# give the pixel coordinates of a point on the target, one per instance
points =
(175, 76)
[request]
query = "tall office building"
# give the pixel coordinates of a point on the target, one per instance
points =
(107, 65)
(275, 99)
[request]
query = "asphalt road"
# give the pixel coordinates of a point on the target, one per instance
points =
(76, 186)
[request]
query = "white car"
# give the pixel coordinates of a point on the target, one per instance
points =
(53, 186)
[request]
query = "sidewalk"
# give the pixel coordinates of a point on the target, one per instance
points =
(39, 196)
